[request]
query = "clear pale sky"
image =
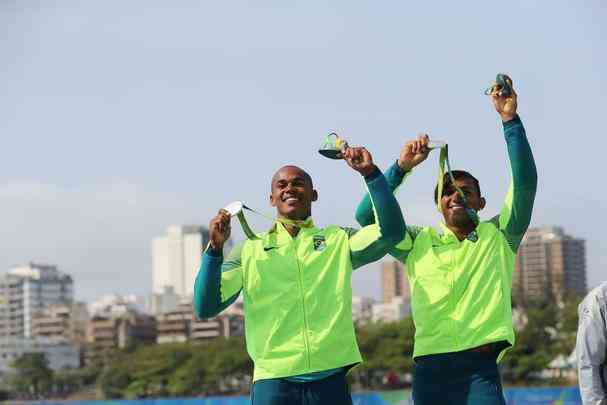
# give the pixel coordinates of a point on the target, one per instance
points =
(120, 118)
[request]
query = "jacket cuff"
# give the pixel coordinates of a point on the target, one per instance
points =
(209, 251)
(512, 123)
(373, 175)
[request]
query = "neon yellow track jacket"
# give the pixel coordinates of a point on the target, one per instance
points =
(297, 290)
(461, 290)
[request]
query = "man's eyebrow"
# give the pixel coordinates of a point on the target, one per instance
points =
(296, 178)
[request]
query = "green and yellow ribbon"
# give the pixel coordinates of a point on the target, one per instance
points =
(443, 162)
(299, 223)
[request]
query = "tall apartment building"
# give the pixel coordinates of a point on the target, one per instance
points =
(26, 290)
(394, 281)
(223, 325)
(176, 258)
(181, 325)
(174, 326)
(550, 265)
(396, 295)
(110, 332)
(67, 321)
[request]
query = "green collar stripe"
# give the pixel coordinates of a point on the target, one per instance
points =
(306, 223)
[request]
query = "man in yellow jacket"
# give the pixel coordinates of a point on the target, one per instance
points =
(296, 283)
(461, 275)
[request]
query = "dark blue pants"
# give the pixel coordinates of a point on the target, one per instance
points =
(462, 378)
(333, 390)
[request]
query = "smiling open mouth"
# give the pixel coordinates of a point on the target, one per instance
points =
(290, 199)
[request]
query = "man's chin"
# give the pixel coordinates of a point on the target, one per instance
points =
(293, 214)
(459, 220)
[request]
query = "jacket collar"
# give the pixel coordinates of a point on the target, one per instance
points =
(279, 236)
(449, 237)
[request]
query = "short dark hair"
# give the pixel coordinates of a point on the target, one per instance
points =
(305, 174)
(457, 175)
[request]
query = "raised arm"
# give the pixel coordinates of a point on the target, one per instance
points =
(374, 241)
(413, 153)
(218, 282)
(364, 212)
(515, 215)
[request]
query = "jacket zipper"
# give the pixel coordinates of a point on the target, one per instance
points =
(303, 306)
(452, 296)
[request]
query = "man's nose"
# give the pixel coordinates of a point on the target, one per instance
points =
(456, 196)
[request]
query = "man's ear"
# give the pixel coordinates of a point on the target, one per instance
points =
(272, 201)
(482, 204)
(314, 195)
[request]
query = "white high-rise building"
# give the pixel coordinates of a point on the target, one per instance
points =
(362, 309)
(393, 311)
(115, 305)
(176, 258)
(25, 291)
(162, 303)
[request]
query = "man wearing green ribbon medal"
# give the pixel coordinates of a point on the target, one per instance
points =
(461, 277)
(296, 284)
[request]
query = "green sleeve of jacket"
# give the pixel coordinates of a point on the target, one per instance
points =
(365, 215)
(515, 215)
(375, 240)
(364, 212)
(218, 282)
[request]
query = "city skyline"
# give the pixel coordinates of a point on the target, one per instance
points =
(118, 120)
(554, 270)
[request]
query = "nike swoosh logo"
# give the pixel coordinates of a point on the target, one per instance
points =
(265, 249)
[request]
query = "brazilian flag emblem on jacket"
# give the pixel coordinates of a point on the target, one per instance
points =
(319, 243)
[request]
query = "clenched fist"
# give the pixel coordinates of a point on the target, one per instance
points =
(219, 230)
(504, 105)
(359, 159)
(414, 152)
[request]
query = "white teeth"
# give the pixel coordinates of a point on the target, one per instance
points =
(290, 199)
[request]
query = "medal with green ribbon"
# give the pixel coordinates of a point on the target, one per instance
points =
(443, 162)
(237, 208)
(501, 86)
(333, 146)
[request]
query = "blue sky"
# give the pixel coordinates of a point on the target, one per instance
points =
(120, 118)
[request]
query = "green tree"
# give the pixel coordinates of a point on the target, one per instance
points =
(535, 344)
(32, 375)
(71, 380)
(216, 367)
(189, 379)
(229, 365)
(151, 367)
(567, 325)
(113, 381)
(385, 347)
